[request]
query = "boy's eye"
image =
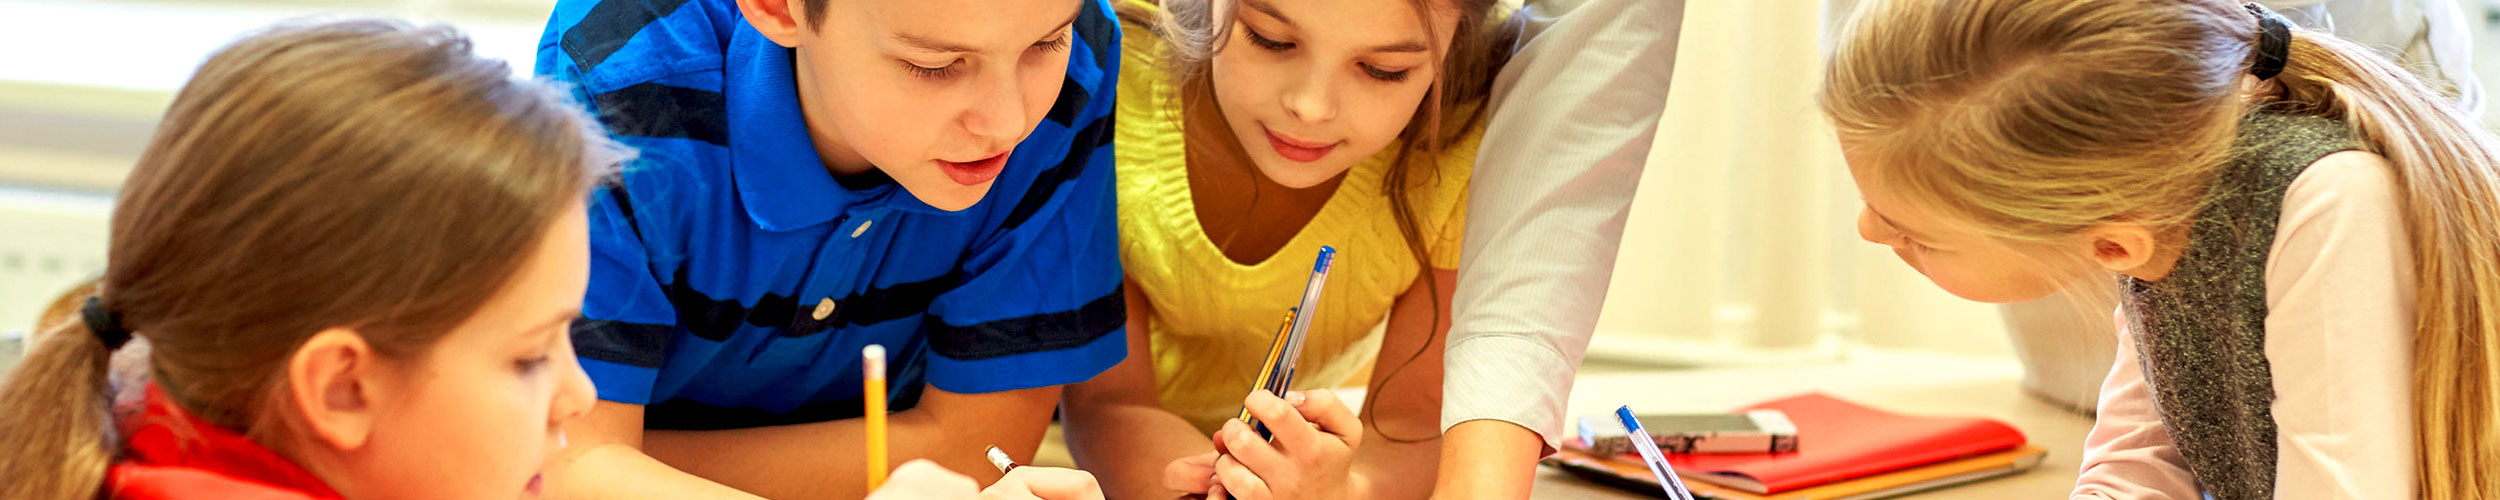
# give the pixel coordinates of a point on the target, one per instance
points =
(1384, 75)
(1265, 42)
(1054, 44)
(937, 73)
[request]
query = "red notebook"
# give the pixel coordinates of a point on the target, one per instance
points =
(1839, 440)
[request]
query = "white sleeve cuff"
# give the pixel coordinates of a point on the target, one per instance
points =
(1508, 377)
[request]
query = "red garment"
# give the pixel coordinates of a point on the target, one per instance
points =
(174, 455)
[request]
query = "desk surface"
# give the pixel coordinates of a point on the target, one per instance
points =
(1909, 383)
(1894, 381)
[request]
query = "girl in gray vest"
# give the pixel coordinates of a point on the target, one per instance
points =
(2306, 237)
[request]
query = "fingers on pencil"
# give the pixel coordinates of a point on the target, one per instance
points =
(1238, 481)
(1282, 420)
(1218, 438)
(1262, 458)
(1193, 474)
(1333, 416)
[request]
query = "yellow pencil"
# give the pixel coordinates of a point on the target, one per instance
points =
(873, 358)
(1275, 351)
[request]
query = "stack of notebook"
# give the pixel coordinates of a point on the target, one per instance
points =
(1847, 451)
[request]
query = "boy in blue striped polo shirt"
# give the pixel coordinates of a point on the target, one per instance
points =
(821, 175)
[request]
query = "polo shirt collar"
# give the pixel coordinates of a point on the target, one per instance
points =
(781, 180)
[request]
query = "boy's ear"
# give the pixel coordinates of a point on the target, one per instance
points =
(2119, 247)
(333, 382)
(781, 21)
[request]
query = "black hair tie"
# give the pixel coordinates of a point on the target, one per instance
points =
(2274, 42)
(106, 325)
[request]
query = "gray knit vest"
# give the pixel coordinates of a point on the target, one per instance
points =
(2201, 330)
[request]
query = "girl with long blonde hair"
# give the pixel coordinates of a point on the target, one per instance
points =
(2306, 236)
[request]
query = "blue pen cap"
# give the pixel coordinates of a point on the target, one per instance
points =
(1630, 424)
(1327, 255)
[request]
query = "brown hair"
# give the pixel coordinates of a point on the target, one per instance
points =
(2035, 119)
(361, 174)
(815, 10)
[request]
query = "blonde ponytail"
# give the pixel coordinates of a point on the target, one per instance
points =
(56, 434)
(2449, 171)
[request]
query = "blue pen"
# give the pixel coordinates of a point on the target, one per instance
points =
(1281, 370)
(1288, 343)
(1649, 453)
(1309, 309)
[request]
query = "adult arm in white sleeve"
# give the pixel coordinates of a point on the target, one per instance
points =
(1574, 115)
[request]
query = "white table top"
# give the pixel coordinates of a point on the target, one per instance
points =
(1901, 382)
(1909, 383)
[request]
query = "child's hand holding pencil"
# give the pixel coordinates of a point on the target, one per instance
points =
(1310, 455)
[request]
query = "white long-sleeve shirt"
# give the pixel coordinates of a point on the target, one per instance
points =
(1573, 117)
(2339, 340)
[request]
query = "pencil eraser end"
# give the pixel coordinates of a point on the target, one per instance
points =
(873, 357)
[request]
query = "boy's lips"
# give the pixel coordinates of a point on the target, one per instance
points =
(1297, 150)
(536, 486)
(975, 172)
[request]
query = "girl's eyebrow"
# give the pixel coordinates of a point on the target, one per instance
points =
(1270, 10)
(1407, 46)
(1399, 47)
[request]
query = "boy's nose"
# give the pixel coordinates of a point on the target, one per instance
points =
(997, 115)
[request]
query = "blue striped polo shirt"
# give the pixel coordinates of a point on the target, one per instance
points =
(734, 280)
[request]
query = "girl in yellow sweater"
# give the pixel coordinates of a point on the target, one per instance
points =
(1251, 133)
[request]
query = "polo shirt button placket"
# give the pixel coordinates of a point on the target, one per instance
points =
(825, 307)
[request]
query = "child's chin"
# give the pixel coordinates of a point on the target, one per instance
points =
(949, 196)
(1999, 294)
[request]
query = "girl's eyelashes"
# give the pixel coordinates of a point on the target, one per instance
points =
(532, 365)
(557, 342)
(1384, 75)
(1918, 246)
(1263, 41)
(1271, 44)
